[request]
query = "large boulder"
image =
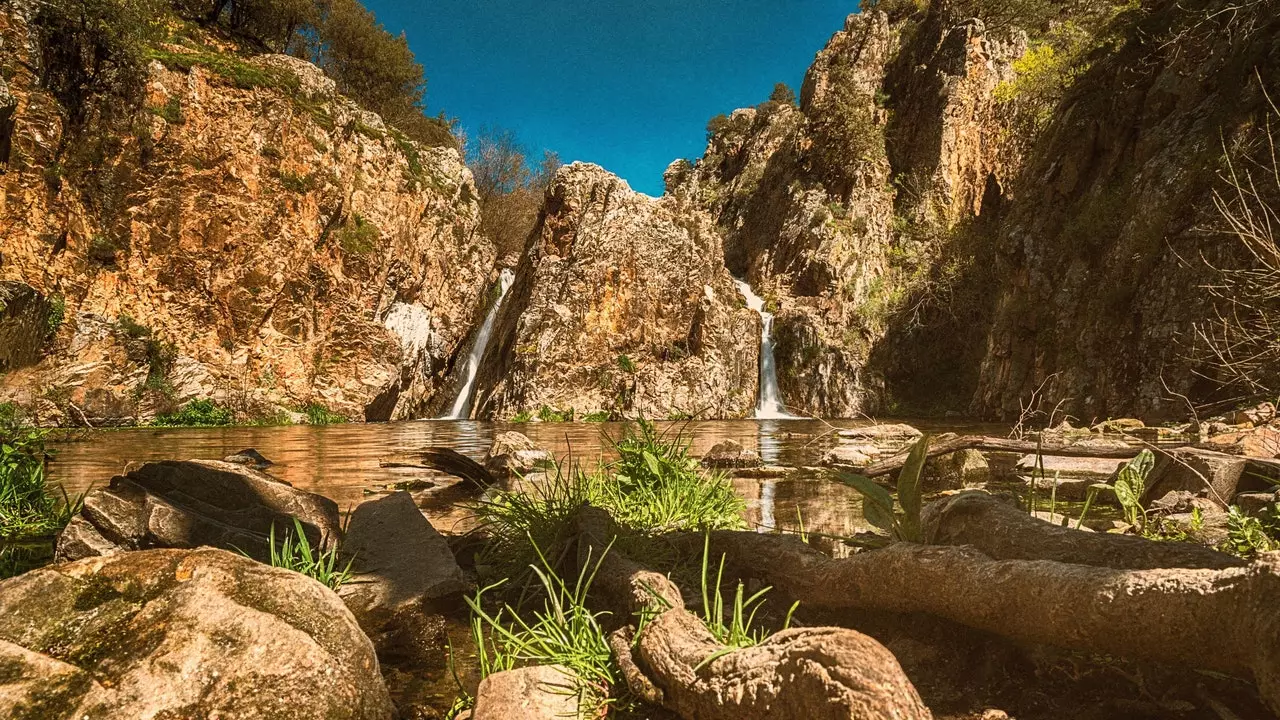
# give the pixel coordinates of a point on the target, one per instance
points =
(182, 634)
(1217, 476)
(186, 504)
(539, 692)
(401, 563)
(513, 453)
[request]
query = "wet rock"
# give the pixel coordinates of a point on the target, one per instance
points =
(1119, 425)
(541, 692)
(1203, 473)
(185, 504)
(400, 562)
(896, 432)
(963, 468)
(1263, 442)
(731, 454)
(852, 455)
(1098, 468)
(1257, 504)
(763, 472)
(513, 453)
(1071, 489)
(182, 634)
(251, 458)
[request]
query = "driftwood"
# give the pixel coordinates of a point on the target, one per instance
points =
(994, 444)
(1223, 620)
(450, 462)
(1003, 532)
(812, 673)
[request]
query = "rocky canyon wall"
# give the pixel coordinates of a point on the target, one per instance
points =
(252, 237)
(928, 248)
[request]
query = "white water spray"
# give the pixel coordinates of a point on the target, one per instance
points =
(459, 409)
(769, 400)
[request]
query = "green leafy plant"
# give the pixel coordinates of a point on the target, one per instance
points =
(1131, 485)
(598, 416)
(1247, 535)
(878, 506)
(736, 629)
(523, 416)
(197, 413)
(626, 364)
(294, 552)
(546, 413)
(358, 236)
(30, 511)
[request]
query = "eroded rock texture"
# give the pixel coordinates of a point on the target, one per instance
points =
(621, 303)
(182, 633)
(268, 246)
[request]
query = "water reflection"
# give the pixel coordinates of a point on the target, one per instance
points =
(342, 461)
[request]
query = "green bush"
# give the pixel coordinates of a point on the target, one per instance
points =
(197, 413)
(845, 133)
(358, 236)
(30, 512)
(318, 414)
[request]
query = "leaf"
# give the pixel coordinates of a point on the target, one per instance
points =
(652, 462)
(878, 505)
(1124, 494)
(909, 488)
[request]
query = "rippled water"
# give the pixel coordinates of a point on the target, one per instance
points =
(342, 461)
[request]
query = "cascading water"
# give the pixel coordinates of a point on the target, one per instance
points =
(459, 409)
(769, 400)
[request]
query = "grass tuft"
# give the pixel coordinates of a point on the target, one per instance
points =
(30, 511)
(197, 413)
(294, 552)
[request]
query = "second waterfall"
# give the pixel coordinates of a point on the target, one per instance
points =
(769, 399)
(460, 408)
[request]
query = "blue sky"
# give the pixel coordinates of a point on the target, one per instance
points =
(627, 85)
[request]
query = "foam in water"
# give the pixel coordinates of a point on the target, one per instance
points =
(459, 411)
(769, 400)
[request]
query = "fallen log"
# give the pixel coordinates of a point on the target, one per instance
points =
(812, 673)
(1003, 532)
(450, 462)
(994, 444)
(1222, 620)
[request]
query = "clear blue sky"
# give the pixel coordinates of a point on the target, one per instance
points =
(627, 85)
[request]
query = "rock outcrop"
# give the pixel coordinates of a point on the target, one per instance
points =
(257, 239)
(621, 304)
(182, 633)
(186, 504)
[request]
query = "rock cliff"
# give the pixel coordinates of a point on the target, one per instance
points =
(256, 238)
(621, 304)
(950, 221)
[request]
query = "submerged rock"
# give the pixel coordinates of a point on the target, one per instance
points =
(182, 634)
(514, 453)
(731, 454)
(185, 504)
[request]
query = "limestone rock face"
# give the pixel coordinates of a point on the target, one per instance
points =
(266, 246)
(182, 633)
(621, 303)
(186, 504)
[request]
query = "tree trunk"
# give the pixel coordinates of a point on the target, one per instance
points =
(1222, 620)
(1003, 532)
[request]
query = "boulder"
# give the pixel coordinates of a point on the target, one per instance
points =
(539, 692)
(186, 504)
(1205, 473)
(1259, 414)
(251, 458)
(1069, 489)
(731, 454)
(1256, 504)
(512, 453)
(852, 455)
(1096, 468)
(401, 563)
(1263, 442)
(1119, 425)
(962, 468)
(182, 634)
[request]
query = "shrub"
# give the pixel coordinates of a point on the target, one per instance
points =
(197, 413)
(546, 413)
(846, 136)
(295, 183)
(358, 236)
(626, 364)
(318, 414)
(30, 513)
(171, 111)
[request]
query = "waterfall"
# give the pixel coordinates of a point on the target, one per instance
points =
(459, 409)
(769, 400)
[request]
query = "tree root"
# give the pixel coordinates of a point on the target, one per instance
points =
(1003, 532)
(1223, 620)
(816, 673)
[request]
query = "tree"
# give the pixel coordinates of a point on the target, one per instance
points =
(510, 190)
(782, 95)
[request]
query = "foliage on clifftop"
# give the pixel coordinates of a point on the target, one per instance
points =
(94, 52)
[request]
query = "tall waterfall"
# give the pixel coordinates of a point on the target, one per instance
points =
(769, 400)
(459, 409)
